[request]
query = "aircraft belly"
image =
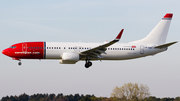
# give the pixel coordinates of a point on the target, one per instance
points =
(119, 56)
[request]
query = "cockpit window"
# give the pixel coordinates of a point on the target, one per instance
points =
(12, 47)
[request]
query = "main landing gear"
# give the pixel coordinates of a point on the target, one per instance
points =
(88, 63)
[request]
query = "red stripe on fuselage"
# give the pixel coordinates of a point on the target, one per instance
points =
(26, 50)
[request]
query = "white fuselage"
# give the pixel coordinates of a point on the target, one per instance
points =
(118, 51)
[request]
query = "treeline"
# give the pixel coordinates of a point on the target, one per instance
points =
(53, 97)
(76, 97)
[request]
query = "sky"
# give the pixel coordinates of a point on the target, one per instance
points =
(87, 21)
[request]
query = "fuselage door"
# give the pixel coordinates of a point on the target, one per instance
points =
(141, 49)
(24, 47)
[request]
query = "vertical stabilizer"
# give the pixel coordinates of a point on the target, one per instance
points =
(159, 33)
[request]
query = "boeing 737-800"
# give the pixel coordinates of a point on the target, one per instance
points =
(70, 53)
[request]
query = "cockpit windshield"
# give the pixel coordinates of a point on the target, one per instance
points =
(12, 47)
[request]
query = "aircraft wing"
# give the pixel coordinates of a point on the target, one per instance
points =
(97, 51)
(165, 45)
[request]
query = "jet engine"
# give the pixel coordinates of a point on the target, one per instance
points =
(69, 58)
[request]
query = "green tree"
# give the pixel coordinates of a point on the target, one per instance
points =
(86, 98)
(177, 99)
(13, 98)
(77, 97)
(37, 97)
(52, 96)
(152, 98)
(23, 97)
(167, 99)
(93, 98)
(59, 96)
(5, 98)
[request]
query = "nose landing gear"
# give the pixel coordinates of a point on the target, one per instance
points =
(88, 63)
(19, 63)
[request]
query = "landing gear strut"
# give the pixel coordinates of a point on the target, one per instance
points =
(88, 63)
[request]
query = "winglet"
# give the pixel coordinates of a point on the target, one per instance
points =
(119, 35)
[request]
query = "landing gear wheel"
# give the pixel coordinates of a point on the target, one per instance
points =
(19, 63)
(88, 64)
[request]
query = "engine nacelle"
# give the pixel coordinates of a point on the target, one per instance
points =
(67, 62)
(69, 58)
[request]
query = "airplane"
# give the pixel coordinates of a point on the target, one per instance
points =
(72, 52)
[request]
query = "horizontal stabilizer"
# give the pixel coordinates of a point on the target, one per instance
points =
(165, 45)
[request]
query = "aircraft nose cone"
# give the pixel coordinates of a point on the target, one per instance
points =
(4, 52)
